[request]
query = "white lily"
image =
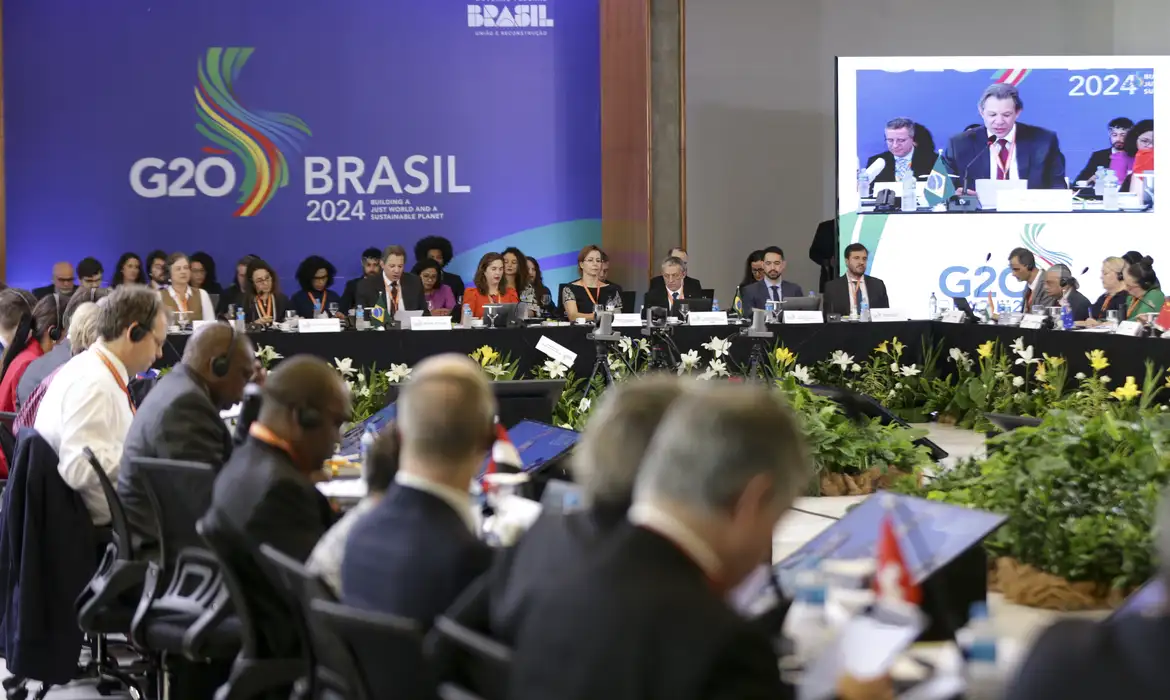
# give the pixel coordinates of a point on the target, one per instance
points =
(1105, 379)
(801, 374)
(718, 346)
(855, 368)
(688, 361)
(398, 373)
(643, 345)
(626, 346)
(910, 370)
(841, 359)
(1018, 382)
(1026, 356)
(267, 353)
(1018, 345)
(364, 391)
(344, 367)
(555, 369)
(1080, 375)
(719, 368)
(496, 370)
(584, 405)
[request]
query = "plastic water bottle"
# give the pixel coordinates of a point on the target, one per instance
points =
(863, 309)
(359, 318)
(933, 306)
(1099, 183)
(367, 447)
(240, 320)
(467, 315)
(909, 191)
(1112, 187)
(806, 625)
(1066, 315)
(862, 183)
(714, 304)
(978, 644)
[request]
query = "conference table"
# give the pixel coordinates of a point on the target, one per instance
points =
(811, 343)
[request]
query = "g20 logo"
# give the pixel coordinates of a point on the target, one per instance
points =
(960, 281)
(182, 177)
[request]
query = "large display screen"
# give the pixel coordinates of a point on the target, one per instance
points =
(1023, 137)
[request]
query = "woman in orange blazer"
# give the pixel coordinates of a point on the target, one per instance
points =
(490, 285)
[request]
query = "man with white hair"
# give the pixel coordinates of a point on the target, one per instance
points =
(648, 608)
(418, 549)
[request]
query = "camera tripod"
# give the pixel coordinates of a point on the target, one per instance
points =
(602, 344)
(664, 353)
(758, 359)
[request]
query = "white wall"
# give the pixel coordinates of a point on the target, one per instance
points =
(760, 99)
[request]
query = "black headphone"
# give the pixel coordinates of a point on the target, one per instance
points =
(138, 331)
(221, 364)
(1065, 275)
(307, 417)
(55, 331)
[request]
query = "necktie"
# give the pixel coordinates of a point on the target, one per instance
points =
(1027, 300)
(856, 294)
(1005, 155)
(775, 293)
(393, 297)
(673, 298)
(901, 165)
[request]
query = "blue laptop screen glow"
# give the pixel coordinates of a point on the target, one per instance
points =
(1147, 600)
(539, 443)
(351, 442)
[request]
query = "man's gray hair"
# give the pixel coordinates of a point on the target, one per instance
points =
(673, 260)
(83, 327)
(1001, 91)
(715, 439)
(902, 123)
(126, 306)
(611, 450)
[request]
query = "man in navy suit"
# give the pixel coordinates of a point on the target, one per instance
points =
(1017, 151)
(772, 287)
(903, 152)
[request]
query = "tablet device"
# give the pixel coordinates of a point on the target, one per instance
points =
(539, 443)
(351, 441)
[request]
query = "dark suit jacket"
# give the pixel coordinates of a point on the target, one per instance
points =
(837, 295)
(411, 556)
(231, 294)
(823, 251)
(1086, 660)
(756, 295)
(922, 162)
(692, 287)
(303, 305)
(1099, 159)
(657, 295)
(1080, 305)
(1099, 307)
(177, 420)
(638, 620)
(1038, 157)
(42, 292)
(411, 296)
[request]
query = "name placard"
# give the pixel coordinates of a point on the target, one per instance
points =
(1012, 319)
(707, 318)
(429, 323)
(196, 325)
(888, 315)
(954, 316)
(1032, 321)
(556, 351)
(1130, 328)
(803, 317)
(319, 325)
(627, 320)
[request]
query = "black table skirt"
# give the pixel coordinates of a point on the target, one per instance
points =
(811, 343)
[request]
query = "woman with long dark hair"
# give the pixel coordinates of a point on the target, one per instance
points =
(128, 270)
(37, 329)
(491, 286)
(544, 299)
(203, 273)
(516, 270)
(264, 303)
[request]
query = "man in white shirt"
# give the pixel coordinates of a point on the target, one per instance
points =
(88, 401)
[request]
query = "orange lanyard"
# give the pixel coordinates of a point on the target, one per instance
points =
(264, 434)
(1133, 305)
(182, 303)
(1104, 307)
(319, 307)
(117, 378)
(593, 298)
(265, 310)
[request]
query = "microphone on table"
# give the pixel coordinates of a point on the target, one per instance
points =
(875, 168)
(982, 152)
(249, 412)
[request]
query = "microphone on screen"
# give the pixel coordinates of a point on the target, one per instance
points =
(982, 152)
(875, 168)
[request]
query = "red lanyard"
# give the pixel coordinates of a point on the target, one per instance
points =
(265, 310)
(117, 378)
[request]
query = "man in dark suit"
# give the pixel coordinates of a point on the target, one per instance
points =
(417, 550)
(676, 287)
(1118, 130)
(649, 606)
(1018, 151)
(179, 419)
(903, 153)
(773, 287)
(371, 266)
(692, 287)
(403, 291)
(843, 295)
(63, 283)
(1062, 286)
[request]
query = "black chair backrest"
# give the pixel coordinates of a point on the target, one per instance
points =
(707, 293)
(179, 494)
(222, 542)
(387, 650)
(118, 522)
(333, 667)
(629, 303)
(480, 664)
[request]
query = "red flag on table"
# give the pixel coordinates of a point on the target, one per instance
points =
(892, 578)
(1163, 320)
(504, 457)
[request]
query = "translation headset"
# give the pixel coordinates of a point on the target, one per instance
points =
(221, 364)
(55, 332)
(138, 331)
(307, 417)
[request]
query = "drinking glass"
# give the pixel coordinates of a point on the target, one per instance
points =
(492, 312)
(333, 309)
(1113, 316)
(684, 310)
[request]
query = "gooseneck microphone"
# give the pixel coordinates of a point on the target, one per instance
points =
(991, 139)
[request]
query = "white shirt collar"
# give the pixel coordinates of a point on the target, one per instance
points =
(909, 157)
(100, 348)
(651, 517)
(1010, 137)
(175, 294)
(460, 501)
(386, 281)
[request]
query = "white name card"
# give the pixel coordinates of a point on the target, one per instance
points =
(1012, 319)
(1130, 328)
(954, 316)
(627, 320)
(319, 325)
(196, 325)
(1013, 200)
(1032, 321)
(888, 315)
(556, 351)
(803, 317)
(707, 318)
(429, 323)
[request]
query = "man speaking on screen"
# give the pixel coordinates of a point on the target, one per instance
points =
(1006, 149)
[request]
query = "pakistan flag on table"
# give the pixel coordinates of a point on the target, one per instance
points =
(939, 186)
(378, 314)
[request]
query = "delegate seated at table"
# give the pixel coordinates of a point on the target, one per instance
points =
(844, 295)
(440, 298)
(1114, 298)
(1060, 285)
(587, 294)
(1145, 292)
(490, 287)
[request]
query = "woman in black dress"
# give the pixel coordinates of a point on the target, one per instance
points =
(589, 293)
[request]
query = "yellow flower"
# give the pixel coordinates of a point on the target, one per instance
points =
(1168, 380)
(485, 355)
(898, 347)
(1128, 392)
(1053, 361)
(986, 348)
(1097, 360)
(1041, 373)
(884, 347)
(784, 356)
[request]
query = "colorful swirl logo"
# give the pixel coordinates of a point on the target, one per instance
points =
(1031, 241)
(258, 138)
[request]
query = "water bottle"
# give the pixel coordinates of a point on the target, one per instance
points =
(240, 320)
(978, 644)
(467, 315)
(862, 183)
(1099, 183)
(367, 448)
(933, 306)
(806, 625)
(359, 318)
(909, 191)
(863, 309)
(1066, 315)
(714, 304)
(1112, 187)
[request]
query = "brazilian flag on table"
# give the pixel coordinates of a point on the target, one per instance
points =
(378, 313)
(939, 186)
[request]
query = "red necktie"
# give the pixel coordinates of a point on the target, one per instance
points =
(393, 297)
(1027, 300)
(1005, 159)
(857, 294)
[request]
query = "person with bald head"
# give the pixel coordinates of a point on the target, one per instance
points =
(63, 283)
(417, 550)
(179, 419)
